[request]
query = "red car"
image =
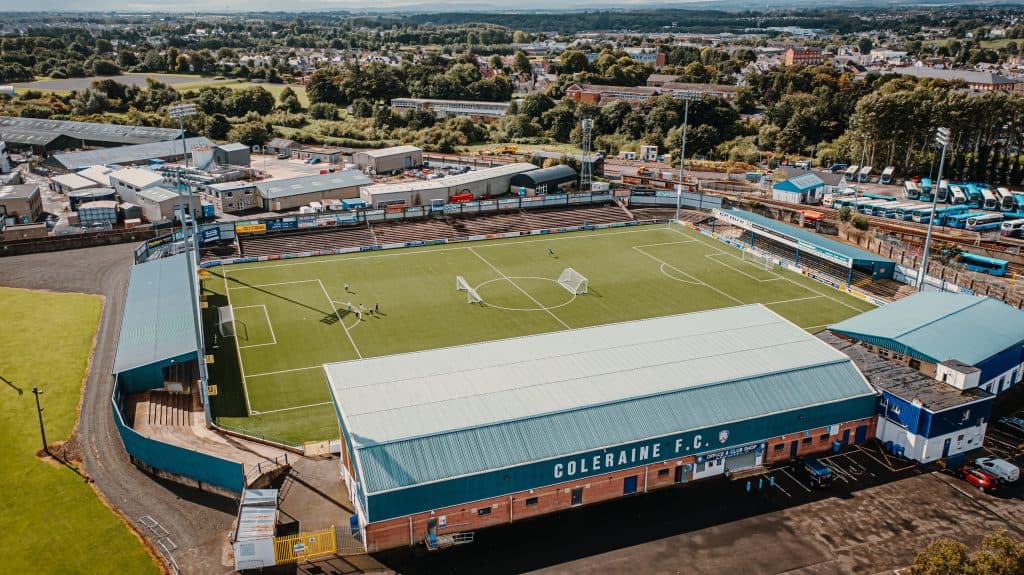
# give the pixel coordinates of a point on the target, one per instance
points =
(979, 478)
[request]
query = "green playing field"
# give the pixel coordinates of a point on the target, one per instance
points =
(292, 316)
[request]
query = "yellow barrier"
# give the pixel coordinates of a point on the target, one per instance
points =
(305, 546)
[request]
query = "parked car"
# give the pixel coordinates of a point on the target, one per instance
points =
(999, 468)
(816, 472)
(1012, 425)
(284, 155)
(979, 478)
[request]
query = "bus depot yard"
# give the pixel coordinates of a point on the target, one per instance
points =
(293, 316)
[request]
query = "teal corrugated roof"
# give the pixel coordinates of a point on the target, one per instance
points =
(157, 323)
(858, 255)
(802, 183)
(432, 415)
(938, 326)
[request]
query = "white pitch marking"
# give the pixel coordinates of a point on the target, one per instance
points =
(341, 321)
(238, 350)
(264, 374)
(292, 408)
(514, 284)
(673, 268)
(270, 325)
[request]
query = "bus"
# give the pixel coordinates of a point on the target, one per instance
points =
(956, 195)
(942, 193)
(926, 189)
(864, 175)
(983, 264)
(1012, 228)
(959, 221)
(851, 172)
(879, 197)
(1006, 201)
(1018, 201)
(989, 200)
(973, 195)
(984, 223)
(899, 210)
(887, 175)
(943, 214)
(922, 215)
(911, 190)
(867, 207)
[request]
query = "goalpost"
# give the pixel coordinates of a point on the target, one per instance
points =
(226, 321)
(757, 259)
(462, 285)
(573, 281)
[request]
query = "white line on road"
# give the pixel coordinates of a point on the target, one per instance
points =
(790, 475)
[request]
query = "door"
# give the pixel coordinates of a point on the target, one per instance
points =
(577, 496)
(628, 485)
(682, 473)
(741, 462)
(861, 435)
(945, 448)
(846, 437)
(793, 447)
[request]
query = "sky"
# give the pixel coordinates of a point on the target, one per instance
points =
(314, 5)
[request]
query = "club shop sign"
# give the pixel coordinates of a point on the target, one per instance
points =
(615, 458)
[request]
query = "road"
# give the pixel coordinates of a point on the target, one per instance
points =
(196, 521)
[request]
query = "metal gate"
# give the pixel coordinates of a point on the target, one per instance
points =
(741, 462)
(305, 546)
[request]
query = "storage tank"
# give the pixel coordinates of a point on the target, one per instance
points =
(103, 212)
(76, 199)
(202, 157)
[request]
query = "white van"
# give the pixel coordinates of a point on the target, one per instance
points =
(999, 468)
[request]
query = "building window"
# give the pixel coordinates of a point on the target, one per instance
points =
(484, 511)
(895, 410)
(823, 437)
(662, 472)
(915, 364)
(532, 501)
(779, 447)
(807, 440)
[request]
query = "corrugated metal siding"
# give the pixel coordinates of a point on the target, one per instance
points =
(901, 412)
(963, 417)
(158, 322)
(515, 442)
(532, 475)
(1001, 362)
(940, 326)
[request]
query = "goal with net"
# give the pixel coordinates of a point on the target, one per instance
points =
(226, 321)
(462, 285)
(757, 259)
(573, 281)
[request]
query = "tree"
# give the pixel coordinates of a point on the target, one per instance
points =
(323, 86)
(521, 63)
(362, 108)
(251, 134)
(1000, 554)
(105, 68)
(103, 46)
(290, 101)
(325, 111)
(943, 557)
(217, 127)
(572, 62)
(864, 45)
(496, 62)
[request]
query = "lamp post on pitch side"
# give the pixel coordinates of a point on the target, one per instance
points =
(942, 139)
(180, 112)
(687, 96)
(39, 409)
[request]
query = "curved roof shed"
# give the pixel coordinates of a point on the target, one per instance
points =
(552, 176)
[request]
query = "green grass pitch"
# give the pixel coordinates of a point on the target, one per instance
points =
(292, 315)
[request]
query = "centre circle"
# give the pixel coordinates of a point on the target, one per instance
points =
(524, 283)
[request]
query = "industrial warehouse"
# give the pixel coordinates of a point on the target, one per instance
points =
(482, 183)
(451, 440)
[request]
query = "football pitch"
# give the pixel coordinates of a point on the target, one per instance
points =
(292, 316)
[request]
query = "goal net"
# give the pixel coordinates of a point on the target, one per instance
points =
(573, 281)
(757, 259)
(226, 321)
(462, 285)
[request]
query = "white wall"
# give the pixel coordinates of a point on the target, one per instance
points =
(925, 450)
(998, 384)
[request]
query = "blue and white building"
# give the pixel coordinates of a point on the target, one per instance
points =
(962, 340)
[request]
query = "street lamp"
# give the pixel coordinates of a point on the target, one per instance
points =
(856, 177)
(687, 96)
(39, 409)
(180, 112)
(942, 139)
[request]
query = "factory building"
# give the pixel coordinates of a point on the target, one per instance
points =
(126, 155)
(159, 203)
(45, 135)
(482, 183)
(130, 181)
(475, 110)
(554, 180)
(292, 193)
(962, 340)
(458, 439)
(21, 203)
(389, 160)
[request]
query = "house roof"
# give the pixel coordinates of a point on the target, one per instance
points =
(19, 191)
(75, 182)
(901, 380)
(158, 322)
(968, 76)
(157, 194)
(235, 147)
(272, 189)
(449, 182)
(126, 154)
(137, 177)
(936, 326)
(802, 183)
(431, 415)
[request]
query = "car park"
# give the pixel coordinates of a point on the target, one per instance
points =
(817, 473)
(979, 478)
(999, 468)
(1012, 425)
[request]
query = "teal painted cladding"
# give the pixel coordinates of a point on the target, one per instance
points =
(150, 376)
(460, 490)
(887, 343)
